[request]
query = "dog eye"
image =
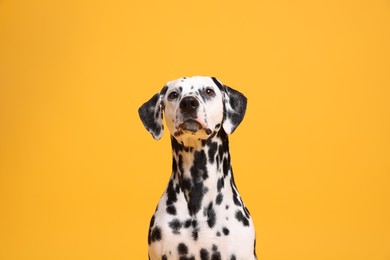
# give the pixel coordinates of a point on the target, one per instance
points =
(173, 95)
(210, 92)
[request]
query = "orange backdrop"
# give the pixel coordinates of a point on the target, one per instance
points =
(80, 176)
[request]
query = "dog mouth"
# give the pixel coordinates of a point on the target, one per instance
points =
(192, 126)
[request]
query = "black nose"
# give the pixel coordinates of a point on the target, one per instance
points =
(189, 104)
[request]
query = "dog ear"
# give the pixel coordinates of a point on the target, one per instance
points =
(234, 107)
(151, 114)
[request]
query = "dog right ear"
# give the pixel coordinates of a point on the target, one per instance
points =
(234, 103)
(151, 114)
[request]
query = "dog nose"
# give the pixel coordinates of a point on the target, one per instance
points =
(189, 104)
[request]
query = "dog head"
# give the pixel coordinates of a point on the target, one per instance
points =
(194, 108)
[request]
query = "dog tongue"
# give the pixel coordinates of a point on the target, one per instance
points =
(190, 125)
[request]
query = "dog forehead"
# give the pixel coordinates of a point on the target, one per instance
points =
(186, 85)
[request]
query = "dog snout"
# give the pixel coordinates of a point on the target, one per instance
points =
(189, 105)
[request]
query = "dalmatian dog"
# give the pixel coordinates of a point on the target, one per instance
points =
(201, 214)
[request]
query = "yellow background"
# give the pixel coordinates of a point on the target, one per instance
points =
(80, 176)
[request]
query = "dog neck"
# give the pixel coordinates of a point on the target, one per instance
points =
(203, 173)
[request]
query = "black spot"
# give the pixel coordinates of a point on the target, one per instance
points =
(254, 248)
(225, 167)
(176, 147)
(188, 149)
(236, 201)
(194, 223)
(195, 197)
(174, 166)
(187, 224)
(164, 257)
(195, 234)
(225, 231)
(235, 195)
(204, 254)
(216, 255)
(195, 230)
(212, 150)
(198, 174)
(182, 249)
(186, 184)
(225, 141)
(187, 258)
(246, 211)
(233, 257)
(175, 225)
(171, 198)
(227, 207)
(155, 234)
(220, 184)
(181, 169)
(152, 221)
(219, 198)
(171, 209)
(171, 194)
(216, 82)
(212, 135)
(220, 153)
(177, 189)
(199, 168)
(164, 90)
(150, 230)
(218, 234)
(241, 218)
(210, 213)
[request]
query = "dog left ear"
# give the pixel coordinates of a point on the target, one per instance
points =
(235, 106)
(151, 114)
(234, 103)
